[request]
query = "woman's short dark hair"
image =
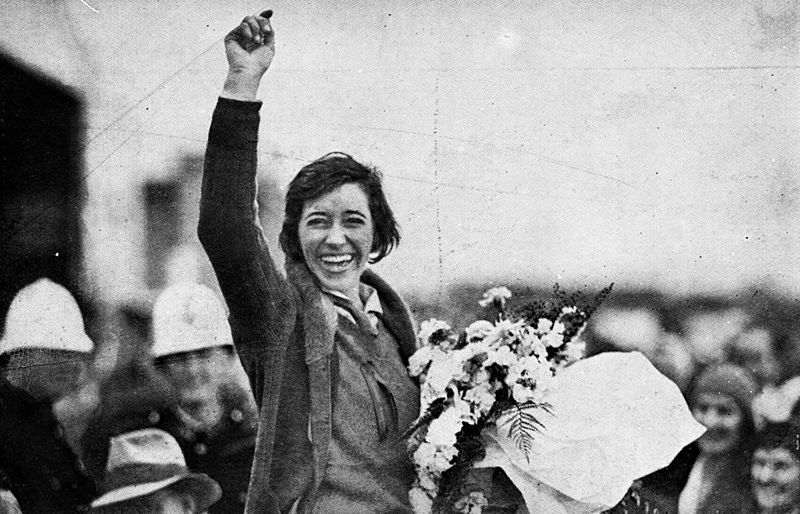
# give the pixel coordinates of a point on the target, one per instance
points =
(324, 175)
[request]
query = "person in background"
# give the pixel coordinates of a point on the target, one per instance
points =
(44, 356)
(673, 358)
(778, 403)
(775, 471)
(754, 349)
(214, 418)
(146, 474)
(45, 349)
(721, 400)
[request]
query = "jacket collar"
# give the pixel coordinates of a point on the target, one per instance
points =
(320, 319)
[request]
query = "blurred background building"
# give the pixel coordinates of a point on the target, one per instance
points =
(42, 193)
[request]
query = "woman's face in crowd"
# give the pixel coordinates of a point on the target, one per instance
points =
(723, 420)
(336, 235)
(776, 478)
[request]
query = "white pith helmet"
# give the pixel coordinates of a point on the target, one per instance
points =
(45, 315)
(188, 317)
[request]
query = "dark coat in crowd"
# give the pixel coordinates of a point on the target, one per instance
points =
(226, 454)
(666, 484)
(37, 464)
(138, 397)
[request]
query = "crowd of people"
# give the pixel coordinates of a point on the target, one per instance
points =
(318, 370)
(741, 388)
(179, 424)
(180, 421)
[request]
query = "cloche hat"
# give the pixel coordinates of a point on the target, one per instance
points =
(727, 379)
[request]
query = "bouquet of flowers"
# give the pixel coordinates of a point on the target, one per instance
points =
(491, 374)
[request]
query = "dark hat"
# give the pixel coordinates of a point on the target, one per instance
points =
(784, 434)
(145, 461)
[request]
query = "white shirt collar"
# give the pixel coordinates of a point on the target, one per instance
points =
(372, 303)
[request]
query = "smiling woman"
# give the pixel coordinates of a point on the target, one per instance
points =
(338, 220)
(326, 347)
(719, 479)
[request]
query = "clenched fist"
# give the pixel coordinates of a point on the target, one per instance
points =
(249, 48)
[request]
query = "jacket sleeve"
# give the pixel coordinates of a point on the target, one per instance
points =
(258, 296)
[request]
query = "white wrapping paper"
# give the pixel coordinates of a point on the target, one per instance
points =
(614, 419)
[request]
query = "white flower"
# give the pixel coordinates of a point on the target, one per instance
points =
(443, 371)
(478, 330)
(495, 294)
(420, 501)
(480, 378)
(502, 356)
(531, 344)
(525, 368)
(442, 430)
(502, 330)
(473, 503)
(424, 454)
(481, 398)
(428, 328)
(555, 337)
(575, 350)
(514, 373)
(420, 360)
(569, 310)
(429, 395)
(522, 393)
(436, 459)
(428, 481)
(543, 326)
(543, 382)
(443, 459)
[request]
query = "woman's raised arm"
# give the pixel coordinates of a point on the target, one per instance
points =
(257, 295)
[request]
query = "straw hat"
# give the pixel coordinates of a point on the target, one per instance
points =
(45, 315)
(148, 460)
(188, 317)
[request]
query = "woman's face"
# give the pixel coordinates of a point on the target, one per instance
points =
(776, 478)
(336, 234)
(723, 420)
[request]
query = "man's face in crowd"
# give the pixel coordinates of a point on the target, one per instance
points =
(197, 377)
(47, 374)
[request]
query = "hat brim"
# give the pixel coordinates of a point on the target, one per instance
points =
(204, 489)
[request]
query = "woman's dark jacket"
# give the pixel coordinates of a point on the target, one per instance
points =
(283, 328)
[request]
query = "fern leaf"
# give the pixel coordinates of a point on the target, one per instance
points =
(523, 425)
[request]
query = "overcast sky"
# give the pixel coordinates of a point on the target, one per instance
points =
(645, 142)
